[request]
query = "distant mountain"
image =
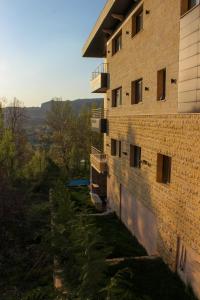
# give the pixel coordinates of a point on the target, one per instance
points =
(77, 104)
(36, 115)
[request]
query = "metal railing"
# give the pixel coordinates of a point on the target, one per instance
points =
(102, 68)
(98, 154)
(99, 113)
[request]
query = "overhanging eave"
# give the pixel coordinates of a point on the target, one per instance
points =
(96, 42)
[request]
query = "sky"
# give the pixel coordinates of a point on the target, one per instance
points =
(40, 49)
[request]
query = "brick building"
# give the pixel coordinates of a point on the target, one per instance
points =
(149, 170)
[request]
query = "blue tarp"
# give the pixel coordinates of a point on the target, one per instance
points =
(78, 182)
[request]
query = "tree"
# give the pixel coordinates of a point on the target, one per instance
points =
(15, 116)
(79, 247)
(60, 120)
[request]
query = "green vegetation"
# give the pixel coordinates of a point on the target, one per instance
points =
(48, 229)
(132, 278)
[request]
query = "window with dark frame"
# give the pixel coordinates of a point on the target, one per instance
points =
(164, 168)
(117, 97)
(186, 5)
(135, 156)
(161, 85)
(113, 147)
(136, 91)
(183, 259)
(137, 21)
(117, 43)
(119, 148)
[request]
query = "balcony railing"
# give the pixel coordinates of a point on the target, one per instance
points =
(99, 113)
(98, 160)
(99, 120)
(98, 153)
(99, 80)
(102, 68)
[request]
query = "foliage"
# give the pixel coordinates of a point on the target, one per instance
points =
(79, 247)
(7, 155)
(36, 166)
(70, 138)
(121, 287)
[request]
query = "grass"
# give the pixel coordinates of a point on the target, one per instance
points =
(151, 278)
(81, 196)
(118, 237)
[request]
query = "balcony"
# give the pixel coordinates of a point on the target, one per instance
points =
(99, 81)
(99, 120)
(98, 161)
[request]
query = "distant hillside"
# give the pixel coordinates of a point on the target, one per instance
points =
(36, 115)
(77, 105)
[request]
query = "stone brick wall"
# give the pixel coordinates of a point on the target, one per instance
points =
(141, 56)
(175, 205)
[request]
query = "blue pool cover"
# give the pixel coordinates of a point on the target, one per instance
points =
(78, 182)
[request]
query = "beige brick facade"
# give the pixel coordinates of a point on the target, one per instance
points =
(176, 206)
(171, 42)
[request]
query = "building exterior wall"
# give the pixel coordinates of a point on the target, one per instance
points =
(189, 62)
(159, 215)
(140, 220)
(176, 205)
(154, 48)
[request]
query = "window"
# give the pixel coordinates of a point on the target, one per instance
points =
(161, 85)
(117, 43)
(117, 97)
(182, 258)
(163, 168)
(113, 147)
(136, 91)
(135, 156)
(120, 148)
(187, 5)
(137, 21)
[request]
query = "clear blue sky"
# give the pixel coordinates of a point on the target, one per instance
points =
(40, 52)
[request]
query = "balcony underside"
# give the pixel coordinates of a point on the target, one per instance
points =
(100, 165)
(99, 125)
(99, 84)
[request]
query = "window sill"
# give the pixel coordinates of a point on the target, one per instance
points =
(119, 106)
(139, 103)
(164, 100)
(135, 168)
(137, 34)
(164, 184)
(114, 54)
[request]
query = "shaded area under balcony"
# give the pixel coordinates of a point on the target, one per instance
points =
(99, 121)
(98, 160)
(98, 188)
(100, 79)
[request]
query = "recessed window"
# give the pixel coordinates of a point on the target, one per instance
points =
(117, 43)
(163, 168)
(117, 97)
(135, 156)
(182, 258)
(136, 91)
(161, 85)
(186, 5)
(119, 148)
(113, 147)
(137, 21)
